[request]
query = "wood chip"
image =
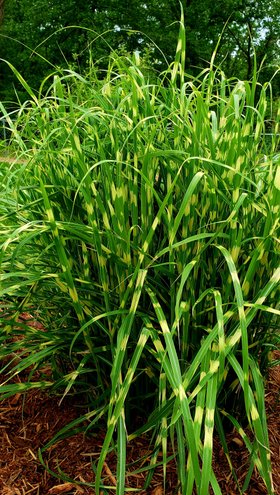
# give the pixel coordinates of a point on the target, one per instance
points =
(64, 488)
(157, 491)
(109, 473)
(238, 442)
(10, 491)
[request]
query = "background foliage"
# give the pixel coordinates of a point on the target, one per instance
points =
(129, 26)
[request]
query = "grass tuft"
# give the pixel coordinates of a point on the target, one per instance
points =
(141, 228)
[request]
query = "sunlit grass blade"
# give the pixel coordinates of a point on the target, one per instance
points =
(177, 386)
(121, 450)
(262, 458)
(115, 413)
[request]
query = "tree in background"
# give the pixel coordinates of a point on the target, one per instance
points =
(132, 25)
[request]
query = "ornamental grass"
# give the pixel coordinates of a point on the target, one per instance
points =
(140, 228)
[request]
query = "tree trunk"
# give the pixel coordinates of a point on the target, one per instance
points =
(1, 11)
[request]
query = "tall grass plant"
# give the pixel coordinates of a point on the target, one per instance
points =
(142, 231)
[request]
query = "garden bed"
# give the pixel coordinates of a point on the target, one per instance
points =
(29, 422)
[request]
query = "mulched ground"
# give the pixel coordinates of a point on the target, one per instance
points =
(29, 423)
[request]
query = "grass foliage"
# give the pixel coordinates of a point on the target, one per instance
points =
(140, 228)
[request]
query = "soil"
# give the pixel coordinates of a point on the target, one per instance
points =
(29, 422)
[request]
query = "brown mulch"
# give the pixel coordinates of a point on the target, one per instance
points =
(28, 423)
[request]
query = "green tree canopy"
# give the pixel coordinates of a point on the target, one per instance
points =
(132, 25)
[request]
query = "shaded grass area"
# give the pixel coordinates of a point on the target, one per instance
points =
(141, 231)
